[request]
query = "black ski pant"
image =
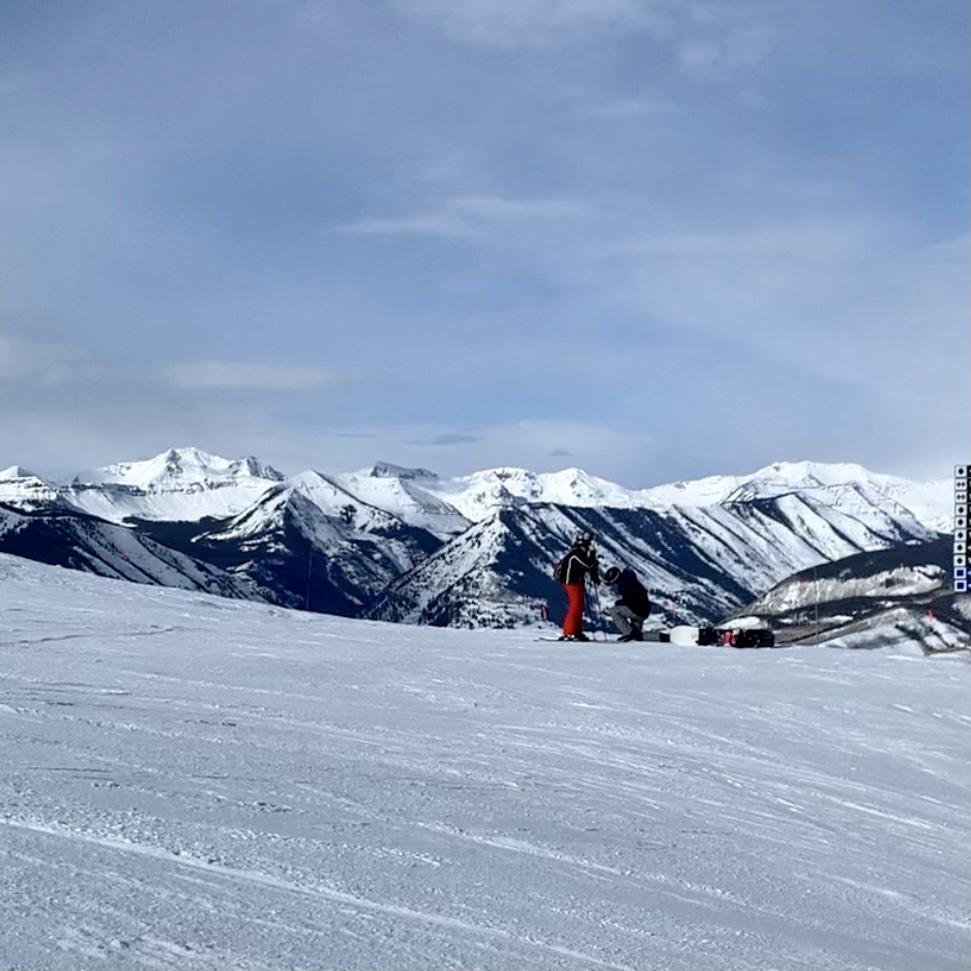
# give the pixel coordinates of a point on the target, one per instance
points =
(625, 620)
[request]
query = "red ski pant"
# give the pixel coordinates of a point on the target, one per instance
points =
(573, 624)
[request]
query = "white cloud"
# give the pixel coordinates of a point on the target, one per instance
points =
(241, 376)
(535, 23)
(468, 216)
(42, 362)
(710, 39)
(629, 108)
(496, 207)
(429, 224)
(9, 364)
(721, 55)
(837, 298)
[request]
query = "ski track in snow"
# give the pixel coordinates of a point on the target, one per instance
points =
(199, 783)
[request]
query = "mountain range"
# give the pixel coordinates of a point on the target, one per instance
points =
(403, 544)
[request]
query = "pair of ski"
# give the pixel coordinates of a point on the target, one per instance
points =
(687, 636)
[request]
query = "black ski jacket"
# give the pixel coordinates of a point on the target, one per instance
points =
(632, 593)
(579, 562)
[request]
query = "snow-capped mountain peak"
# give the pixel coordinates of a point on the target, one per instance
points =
(847, 482)
(480, 494)
(326, 494)
(805, 473)
(929, 502)
(770, 481)
(412, 497)
(185, 484)
(388, 470)
(177, 469)
(251, 466)
(16, 472)
(333, 500)
(24, 489)
(577, 487)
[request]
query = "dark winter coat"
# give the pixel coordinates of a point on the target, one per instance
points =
(632, 593)
(580, 561)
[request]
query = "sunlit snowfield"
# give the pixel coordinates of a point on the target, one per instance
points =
(200, 783)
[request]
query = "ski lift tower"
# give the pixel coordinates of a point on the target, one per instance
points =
(961, 528)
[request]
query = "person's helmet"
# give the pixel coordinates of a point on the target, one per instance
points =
(612, 573)
(584, 539)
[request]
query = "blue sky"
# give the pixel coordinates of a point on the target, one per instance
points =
(653, 238)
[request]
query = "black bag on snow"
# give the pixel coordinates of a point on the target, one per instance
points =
(754, 638)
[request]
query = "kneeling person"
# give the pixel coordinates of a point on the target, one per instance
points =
(633, 605)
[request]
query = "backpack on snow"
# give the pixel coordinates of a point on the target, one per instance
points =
(754, 638)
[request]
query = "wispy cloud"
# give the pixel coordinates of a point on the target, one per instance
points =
(450, 438)
(429, 224)
(469, 216)
(710, 38)
(535, 23)
(42, 362)
(497, 207)
(835, 297)
(241, 376)
(720, 55)
(627, 108)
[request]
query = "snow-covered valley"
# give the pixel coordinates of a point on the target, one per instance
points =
(196, 782)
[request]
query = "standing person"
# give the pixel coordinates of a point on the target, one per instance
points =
(572, 572)
(633, 605)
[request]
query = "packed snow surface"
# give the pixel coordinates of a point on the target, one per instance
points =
(201, 783)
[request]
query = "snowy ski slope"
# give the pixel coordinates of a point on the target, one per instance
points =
(194, 782)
